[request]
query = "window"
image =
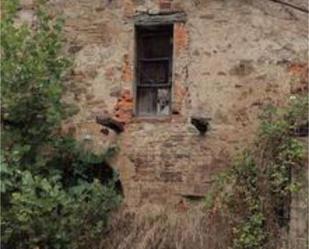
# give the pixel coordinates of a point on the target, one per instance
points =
(154, 62)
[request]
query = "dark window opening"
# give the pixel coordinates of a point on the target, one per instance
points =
(154, 62)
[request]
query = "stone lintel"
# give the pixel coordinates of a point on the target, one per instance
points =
(162, 18)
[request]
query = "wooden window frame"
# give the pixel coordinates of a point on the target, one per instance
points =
(140, 33)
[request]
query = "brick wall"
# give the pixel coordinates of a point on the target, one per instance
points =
(230, 61)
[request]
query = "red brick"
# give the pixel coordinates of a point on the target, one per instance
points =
(128, 7)
(124, 107)
(180, 94)
(300, 73)
(301, 70)
(127, 73)
(165, 4)
(181, 37)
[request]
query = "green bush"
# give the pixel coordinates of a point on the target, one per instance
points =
(50, 194)
(255, 192)
(44, 214)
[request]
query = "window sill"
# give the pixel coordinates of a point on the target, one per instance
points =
(152, 119)
(156, 119)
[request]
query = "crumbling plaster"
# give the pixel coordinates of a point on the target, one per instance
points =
(231, 59)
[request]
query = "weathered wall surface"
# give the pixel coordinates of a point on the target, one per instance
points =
(231, 58)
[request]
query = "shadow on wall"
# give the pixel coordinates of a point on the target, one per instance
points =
(106, 175)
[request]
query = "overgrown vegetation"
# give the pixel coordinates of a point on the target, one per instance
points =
(255, 193)
(50, 197)
(248, 206)
(153, 227)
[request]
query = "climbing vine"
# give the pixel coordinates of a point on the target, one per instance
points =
(255, 192)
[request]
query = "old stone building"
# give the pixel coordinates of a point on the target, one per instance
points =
(179, 86)
(154, 64)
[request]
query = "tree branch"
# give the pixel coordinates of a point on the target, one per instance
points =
(291, 6)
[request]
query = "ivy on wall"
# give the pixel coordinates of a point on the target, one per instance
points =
(255, 193)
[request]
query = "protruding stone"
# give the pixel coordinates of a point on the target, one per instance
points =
(141, 9)
(109, 122)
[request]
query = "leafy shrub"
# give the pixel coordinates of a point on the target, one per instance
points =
(44, 214)
(50, 195)
(255, 192)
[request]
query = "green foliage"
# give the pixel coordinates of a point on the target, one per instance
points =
(243, 203)
(9, 8)
(255, 192)
(32, 68)
(44, 214)
(74, 162)
(281, 150)
(250, 234)
(50, 193)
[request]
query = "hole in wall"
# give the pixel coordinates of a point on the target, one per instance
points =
(106, 174)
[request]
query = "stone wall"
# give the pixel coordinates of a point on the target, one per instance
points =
(299, 215)
(231, 59)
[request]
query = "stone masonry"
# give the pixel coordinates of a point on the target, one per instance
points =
(231, 59)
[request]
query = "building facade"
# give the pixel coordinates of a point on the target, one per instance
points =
(153, 65)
